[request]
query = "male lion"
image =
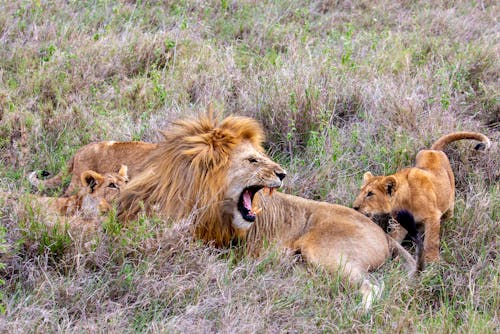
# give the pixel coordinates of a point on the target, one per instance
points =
(101, 157)
(214, 173)
(426, 190)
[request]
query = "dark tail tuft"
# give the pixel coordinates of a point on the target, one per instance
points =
(480, 147)
(454, 136)
(406, 219)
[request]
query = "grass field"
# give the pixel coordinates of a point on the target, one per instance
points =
(341, 87)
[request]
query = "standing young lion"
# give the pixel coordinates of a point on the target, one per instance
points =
(426, 190)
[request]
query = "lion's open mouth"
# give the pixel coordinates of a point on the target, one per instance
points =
(245, 202)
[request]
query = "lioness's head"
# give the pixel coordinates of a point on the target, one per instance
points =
(99, 190)
(250, 170)
(377, 195)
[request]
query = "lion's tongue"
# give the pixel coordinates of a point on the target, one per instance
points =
(247, 200)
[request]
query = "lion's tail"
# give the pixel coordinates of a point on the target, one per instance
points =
(446, 139)
(53, 182)
(413, 266)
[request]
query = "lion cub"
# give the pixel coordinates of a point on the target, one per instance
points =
(94, 196)
(101, 157)
(426, 190)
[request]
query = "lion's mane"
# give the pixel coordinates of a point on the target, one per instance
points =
(185, 176)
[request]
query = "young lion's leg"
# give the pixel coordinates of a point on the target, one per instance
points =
(431, 238)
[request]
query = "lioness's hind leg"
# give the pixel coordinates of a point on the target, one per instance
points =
(325, 256)
(370, 293)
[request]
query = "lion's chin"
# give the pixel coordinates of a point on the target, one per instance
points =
(240, 223)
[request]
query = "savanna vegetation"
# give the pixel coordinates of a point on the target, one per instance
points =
(341, 87)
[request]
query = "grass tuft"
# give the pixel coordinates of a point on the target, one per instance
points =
(341, 87)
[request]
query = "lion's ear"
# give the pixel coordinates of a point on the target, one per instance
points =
(366, 177)
(391, 185)
(123, 171)
(91, 179)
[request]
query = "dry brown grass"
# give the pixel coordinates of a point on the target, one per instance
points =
(341, 87)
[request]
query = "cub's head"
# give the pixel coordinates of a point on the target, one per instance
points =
(377, 195)
(99, 190)
(250, 170)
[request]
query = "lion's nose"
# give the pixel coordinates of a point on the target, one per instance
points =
(356, 208)
(280, 174)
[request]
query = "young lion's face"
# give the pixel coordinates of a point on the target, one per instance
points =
(100, 190)
(376, 196)
(249, 171)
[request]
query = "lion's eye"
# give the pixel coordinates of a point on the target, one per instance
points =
(252, 160)
(112, 185)
(369, 194)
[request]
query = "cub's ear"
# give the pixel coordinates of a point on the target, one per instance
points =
(391, 185)
(123, 171)
(366, 177)
(91, 179)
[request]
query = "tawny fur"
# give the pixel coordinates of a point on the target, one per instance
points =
(95, 196)
(187, 174)
(79, 214)
(201, 171)
(426, 190)
(102, 157)
(331, 236)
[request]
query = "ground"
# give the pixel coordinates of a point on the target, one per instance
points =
(341, 87)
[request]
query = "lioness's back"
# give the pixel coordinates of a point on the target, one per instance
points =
(108, 156)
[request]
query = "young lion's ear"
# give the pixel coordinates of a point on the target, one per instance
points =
(391, 185)
(123, 171)
(91, 179)
(366, 177)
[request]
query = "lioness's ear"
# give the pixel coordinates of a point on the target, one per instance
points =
(366, 177)
(123, 171)
(391, 185)
(91, 179)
